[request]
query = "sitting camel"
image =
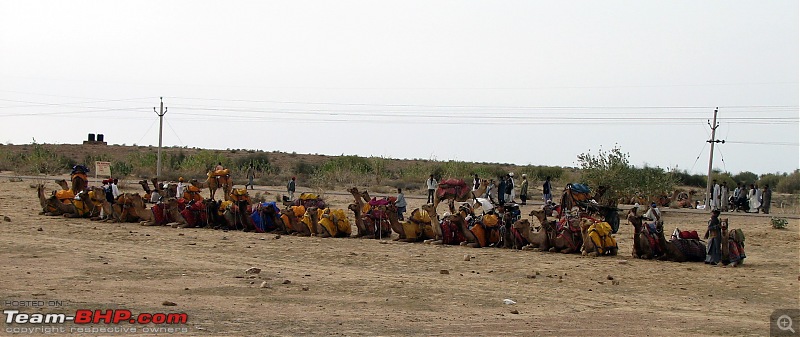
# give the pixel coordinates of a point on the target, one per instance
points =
(597, 239)
(436, 225)
(291, 216)
(52, 206)
(359, 208)
(417, 228)
(333, 223)
(568, 238)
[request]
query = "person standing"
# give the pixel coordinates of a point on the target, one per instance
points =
(766, 199)
(489, 190)
(523, 189)
(431, 184)
(723, 196)
(715, 196)
(758, 198)
(501, 190)
(546, 190)
(476, 183)
(291, 187)
(753, 199)
(180, 188)
(510, 188)
(251, 174)
(219, 167)
(400, 204)
(114, 188)
(714, 235)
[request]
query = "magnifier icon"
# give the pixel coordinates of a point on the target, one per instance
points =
(785, 323)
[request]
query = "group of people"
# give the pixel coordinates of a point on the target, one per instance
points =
(502, 191)
(753, 198)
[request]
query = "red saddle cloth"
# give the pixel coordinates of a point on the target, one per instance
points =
(689, 235)
(452, 187)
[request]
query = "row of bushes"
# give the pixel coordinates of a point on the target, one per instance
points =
(610, 167)
(779, 182)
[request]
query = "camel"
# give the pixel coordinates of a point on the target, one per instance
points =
(539, 240)
(79, 181)
(165, 213)
(417, 228)
(267, 217)
(291, 220)
(568, 238)
(468, 237)
(457, 190)
(87, 204)
(52, 206)
(195, 214)
(732, 247)
(333, 223)
(436, 225)
(641, 245)
(670, 251)
(311, 220)
(597, 239)
(360, 225)
(359, 208)
(63, 184)
(237, 211)
(217, 179)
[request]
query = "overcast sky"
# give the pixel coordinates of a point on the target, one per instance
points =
(523, 82)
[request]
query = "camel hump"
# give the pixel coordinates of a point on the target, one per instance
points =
(453, 183)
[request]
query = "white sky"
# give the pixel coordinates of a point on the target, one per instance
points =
(524, 82)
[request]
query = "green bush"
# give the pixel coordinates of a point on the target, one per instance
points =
(790, 183)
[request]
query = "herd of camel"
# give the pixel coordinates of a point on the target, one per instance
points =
(502, 227)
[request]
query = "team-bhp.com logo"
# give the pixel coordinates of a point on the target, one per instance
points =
(84, 316)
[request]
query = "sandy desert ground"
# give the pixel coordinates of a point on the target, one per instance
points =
(371, 287)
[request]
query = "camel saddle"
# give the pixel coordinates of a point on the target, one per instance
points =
(600, 233)
(220, 173)
(451, 235)
(195, 213)
(694, 250)
(240, 194)
(64, 195)
(455, 187)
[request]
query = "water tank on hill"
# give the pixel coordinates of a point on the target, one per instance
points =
(99, 137)
(91, 137)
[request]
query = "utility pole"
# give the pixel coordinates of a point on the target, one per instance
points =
(713, 140)
(161, 114)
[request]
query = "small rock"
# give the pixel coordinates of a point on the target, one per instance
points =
(601, 282)
(169, 304)
(382, 242)
(252, 270)
(444, 272)
(466, 257)
(252, 282)
(224, 238)
(531, 276)
(264, 285)
(40, 229)
(180, 234)
(537, 272)
(509, 301)
(609, 277)
(287, 282)
(622, 261)
(305, 288)
(185, 288)
(6, 218)
(515, 312)
(277, 237)
(261, 239)
(144, 257)
(560, 277)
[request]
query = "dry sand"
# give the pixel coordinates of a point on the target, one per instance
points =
(369, 287)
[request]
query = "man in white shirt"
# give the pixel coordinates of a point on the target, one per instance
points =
(114, 189)
(180, 188)
(715, 196)
(653, 214)
(431, 183)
